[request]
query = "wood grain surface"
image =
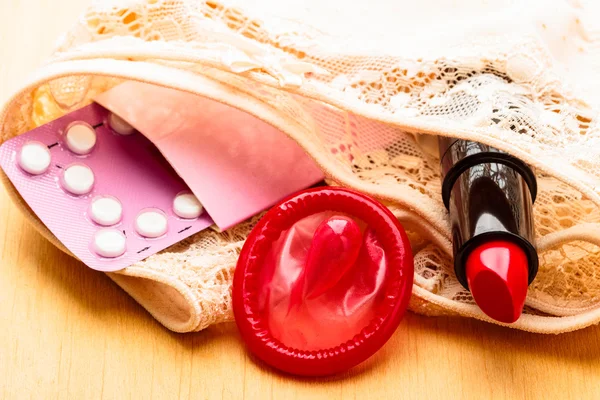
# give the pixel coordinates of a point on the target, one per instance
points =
(69, 333)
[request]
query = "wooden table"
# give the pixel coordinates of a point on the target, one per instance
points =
(68, 332)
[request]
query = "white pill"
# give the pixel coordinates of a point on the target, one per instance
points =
(34, 157)
(106, 210)
(151, 223)
(109, 243)
(119, 125)
(186, 205)
(78, 179)
(80, 138)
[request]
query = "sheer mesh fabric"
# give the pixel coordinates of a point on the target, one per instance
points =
(363, 87)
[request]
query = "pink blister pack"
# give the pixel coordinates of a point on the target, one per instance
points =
(102, 188)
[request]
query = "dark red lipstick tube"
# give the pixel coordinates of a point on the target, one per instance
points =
(489, 195)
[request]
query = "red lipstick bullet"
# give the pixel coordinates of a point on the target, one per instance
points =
(489, 195)
(497, 277)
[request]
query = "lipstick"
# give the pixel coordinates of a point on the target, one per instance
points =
(489, 195)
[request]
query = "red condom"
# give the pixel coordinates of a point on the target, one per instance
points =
(322, 281)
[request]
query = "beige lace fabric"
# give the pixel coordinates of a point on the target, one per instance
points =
(362, 86)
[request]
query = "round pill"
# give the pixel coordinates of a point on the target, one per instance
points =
(34, 157)
(78, 179)
(109, 243)
(151, 223)
(186, 205)
(80, 138)
(106, 210)
(119, 125)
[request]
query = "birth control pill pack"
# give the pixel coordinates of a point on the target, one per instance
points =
(102, 188)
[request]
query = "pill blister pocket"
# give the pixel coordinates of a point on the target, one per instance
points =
(107, 194)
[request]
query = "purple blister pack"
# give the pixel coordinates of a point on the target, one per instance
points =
(104, 190)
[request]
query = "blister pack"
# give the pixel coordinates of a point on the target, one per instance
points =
(102, 188)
